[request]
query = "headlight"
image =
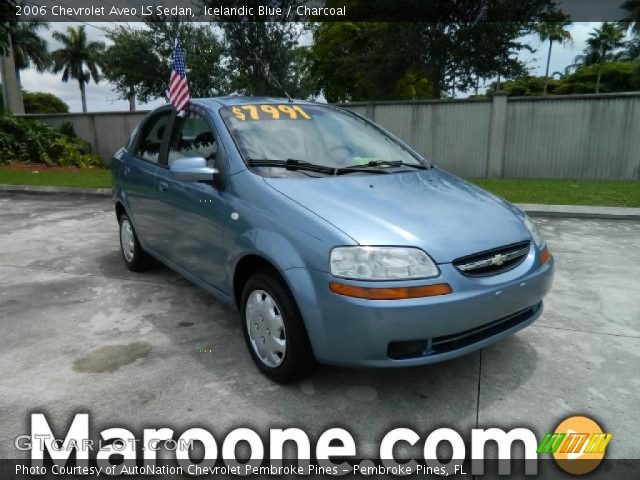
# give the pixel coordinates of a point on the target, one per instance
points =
(382, 263)
(535, 233)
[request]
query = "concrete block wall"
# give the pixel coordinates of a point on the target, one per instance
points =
(573, 137)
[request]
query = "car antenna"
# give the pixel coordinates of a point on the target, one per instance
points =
(272, 77)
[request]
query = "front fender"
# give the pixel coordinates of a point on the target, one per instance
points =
(270, 245)
(284, 256)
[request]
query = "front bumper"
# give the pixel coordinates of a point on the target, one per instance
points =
(355, 332)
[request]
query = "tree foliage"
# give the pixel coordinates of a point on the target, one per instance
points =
(254, 58)
(466, 41)
(615, 77)
(29, 141)
(554, 29)
(29, 49)
(632, 50)
(603, 45)
(264, 58)
(359, 61)
(41, 102)
(130, 63)
(633, 14)
(7, 20)
(140, 60)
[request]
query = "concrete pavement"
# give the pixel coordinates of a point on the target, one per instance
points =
(79, 333)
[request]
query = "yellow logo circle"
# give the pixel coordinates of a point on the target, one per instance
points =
(583, 446)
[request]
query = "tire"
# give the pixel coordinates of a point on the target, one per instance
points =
(136, 259)
(273, 321)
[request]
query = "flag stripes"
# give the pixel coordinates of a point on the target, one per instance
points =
(178, 86)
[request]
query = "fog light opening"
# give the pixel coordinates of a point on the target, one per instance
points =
(407, 349)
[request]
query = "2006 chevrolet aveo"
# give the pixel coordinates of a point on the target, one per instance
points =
(337, 242)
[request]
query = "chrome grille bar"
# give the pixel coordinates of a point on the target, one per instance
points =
(498, 260)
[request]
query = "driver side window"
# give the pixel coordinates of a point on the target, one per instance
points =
(192, 137)
(150, 142)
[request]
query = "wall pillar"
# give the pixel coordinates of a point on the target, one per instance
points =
(497, 136)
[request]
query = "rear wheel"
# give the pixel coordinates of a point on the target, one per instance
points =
(136, 259)
(274, 330)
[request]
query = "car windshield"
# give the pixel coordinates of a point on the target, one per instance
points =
(315, 134)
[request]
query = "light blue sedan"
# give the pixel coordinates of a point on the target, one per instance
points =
(337, 242)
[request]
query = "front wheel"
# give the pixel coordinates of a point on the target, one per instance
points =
(136, 259)
(274, 330)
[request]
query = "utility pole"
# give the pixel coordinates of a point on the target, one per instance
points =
(10, 89)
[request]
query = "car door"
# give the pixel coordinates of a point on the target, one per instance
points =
(197, 210)
(138, 176)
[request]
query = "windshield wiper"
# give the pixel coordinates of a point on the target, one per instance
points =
(294, 164)
(387, 163)
(291, 164)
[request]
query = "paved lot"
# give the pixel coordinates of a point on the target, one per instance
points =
(79, 333)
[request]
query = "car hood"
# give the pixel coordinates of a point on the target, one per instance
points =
(431, 209)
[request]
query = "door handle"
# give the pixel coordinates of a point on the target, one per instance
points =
(126, 170)
(164, 186)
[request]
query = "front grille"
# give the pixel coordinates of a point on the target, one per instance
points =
(493, 262)
(449, 343)
(456, 341)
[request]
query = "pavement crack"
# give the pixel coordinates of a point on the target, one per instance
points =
(587, 331)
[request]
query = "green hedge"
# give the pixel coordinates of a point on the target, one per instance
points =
(29, 141)
(42, 102)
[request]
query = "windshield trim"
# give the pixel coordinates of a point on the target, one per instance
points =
(421, 160)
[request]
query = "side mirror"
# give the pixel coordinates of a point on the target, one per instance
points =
(192, 169)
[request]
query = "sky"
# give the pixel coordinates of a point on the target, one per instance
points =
(100, 97)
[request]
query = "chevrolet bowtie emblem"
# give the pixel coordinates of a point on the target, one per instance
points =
(498, 260)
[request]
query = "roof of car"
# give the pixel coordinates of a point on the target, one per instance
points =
(242, 100)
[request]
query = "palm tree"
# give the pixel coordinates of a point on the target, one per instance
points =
(7, 20)
(632, 50)
(553, 31)
(76, 54)
(633, 7)
(29, 49)
(602, 47)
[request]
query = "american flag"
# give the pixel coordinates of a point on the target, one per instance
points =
(178, 86)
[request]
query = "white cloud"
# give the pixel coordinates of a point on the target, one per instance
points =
(100, 96)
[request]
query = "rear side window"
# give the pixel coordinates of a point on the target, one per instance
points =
(151, 137)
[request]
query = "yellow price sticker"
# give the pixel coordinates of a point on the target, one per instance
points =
(269, 112)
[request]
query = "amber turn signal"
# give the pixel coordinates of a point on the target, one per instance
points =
(545, 255)
(390, 293)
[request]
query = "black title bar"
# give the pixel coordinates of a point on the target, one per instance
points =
(447, 11)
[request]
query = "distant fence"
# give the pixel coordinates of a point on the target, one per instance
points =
(576, 136)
